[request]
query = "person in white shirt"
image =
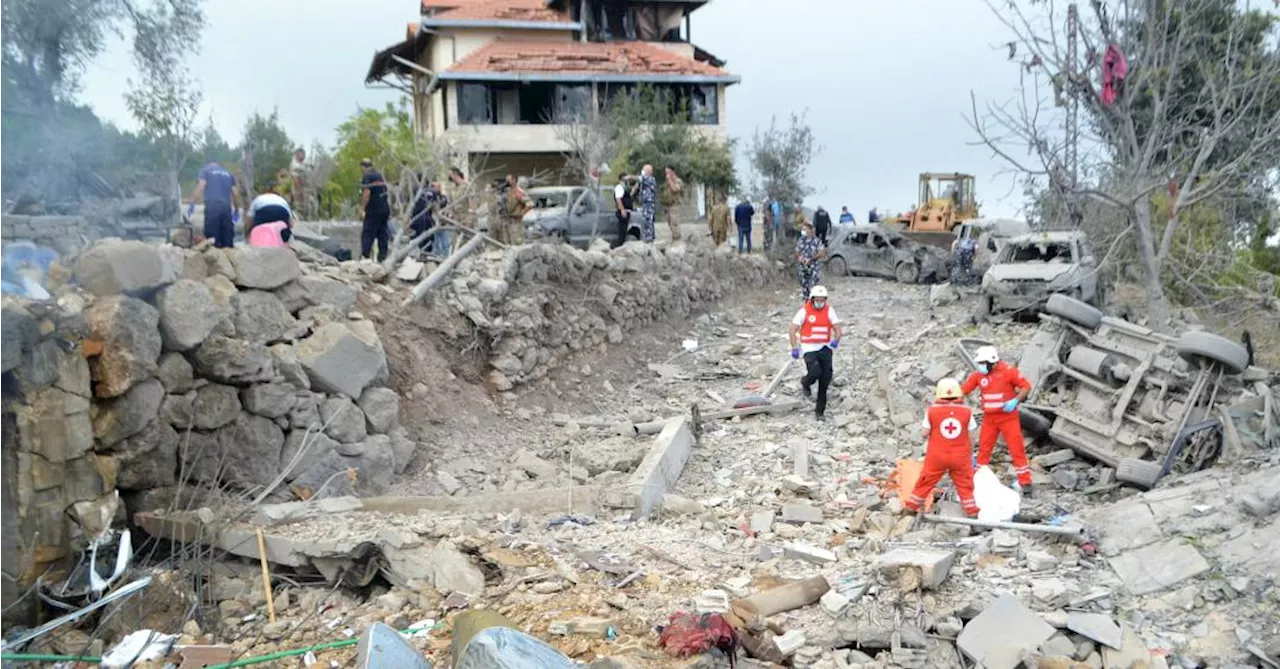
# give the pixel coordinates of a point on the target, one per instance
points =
(622, 210)
(815, 333)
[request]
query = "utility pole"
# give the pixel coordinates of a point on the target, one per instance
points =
(1071, 129)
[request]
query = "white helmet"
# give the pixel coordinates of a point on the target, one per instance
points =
(986, 354)
(818, 291)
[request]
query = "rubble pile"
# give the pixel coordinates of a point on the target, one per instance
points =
(541, 303)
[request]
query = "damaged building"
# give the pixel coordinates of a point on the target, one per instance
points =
(499, 75)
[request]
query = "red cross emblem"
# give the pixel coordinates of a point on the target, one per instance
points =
(950, 428)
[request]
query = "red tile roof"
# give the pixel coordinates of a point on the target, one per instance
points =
(587, 58)
(499, 10)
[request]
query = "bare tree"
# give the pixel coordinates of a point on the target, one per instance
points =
(1190, 114)
(779, 157)
(590, 143)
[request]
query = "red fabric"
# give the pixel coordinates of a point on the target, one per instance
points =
(1009, 426)
(688, 634)
(999, 386)
(949, 452)
(816, 328)
(1115, 67)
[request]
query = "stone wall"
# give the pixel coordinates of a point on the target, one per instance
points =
(162, 367)
(68, 235)
(540, 303)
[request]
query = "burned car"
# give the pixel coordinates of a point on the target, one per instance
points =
(1033, 266)
(1139, 401)
(574, 214)
(877, 250)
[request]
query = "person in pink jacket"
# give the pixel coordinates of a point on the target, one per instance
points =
(270, 220)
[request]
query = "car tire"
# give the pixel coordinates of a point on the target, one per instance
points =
(1140, 473)
(1071, 309)
(1034, 423)
(907, 272)
(838, 266)
(1196, 346)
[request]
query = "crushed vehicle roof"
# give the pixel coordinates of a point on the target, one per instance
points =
(1048, 236)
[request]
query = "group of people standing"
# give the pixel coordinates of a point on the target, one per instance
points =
(643, 190)
(268, 218)
(948, 423)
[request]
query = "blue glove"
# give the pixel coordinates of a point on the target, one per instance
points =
(235, 216)
(1011, 405)
(795, 354)
(191, 209)
(835, 343)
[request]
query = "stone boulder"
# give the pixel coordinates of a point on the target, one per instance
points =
(318, 291)
(234, 361)
(263, 267)
(452, 571)
(268, 399)
(128, 414)
(289, 367)
(148, 459)
(344, 420)
(305, 413)
(114, 266)
(339, 361)
(20, 334)
(328, 477)
(129, 330)
(381, 407)
(215, 405)
(237, 453)
(375, 467)
(261, 317)
(403, 448)
(176, 410)
(318, 447)
(188, 314)
(175, 373)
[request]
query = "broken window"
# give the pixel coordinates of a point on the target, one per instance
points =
(537, 103)
(476, 105)
(1055, 252)
(859, 238)
(572, 102)
(703, 108)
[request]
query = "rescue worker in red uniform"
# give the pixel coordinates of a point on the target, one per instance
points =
(949, 425)
(815, 333)
(1003, 389)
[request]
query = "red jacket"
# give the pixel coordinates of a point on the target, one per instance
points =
(949, 428)
(816, 328)
(998, 387)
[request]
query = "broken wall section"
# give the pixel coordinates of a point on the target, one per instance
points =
(538, 304)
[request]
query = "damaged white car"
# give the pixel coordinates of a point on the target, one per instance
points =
(1033, 266)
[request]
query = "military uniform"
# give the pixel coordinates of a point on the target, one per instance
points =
(672, 196)
(719, 221)
(768, 227)
(808, 267)
(648, 205)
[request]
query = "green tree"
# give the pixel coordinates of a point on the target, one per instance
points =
(268, 146)
(780, 157)
(648, 128)
(384, 136)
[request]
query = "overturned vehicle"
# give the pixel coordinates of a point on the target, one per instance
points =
(877, 250)
(1141, 402)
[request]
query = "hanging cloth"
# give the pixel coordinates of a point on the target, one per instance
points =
(1114, 69)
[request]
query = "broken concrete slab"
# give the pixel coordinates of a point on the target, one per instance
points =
(1158, 566)
(999, 637)
(1123, 526)
(799, 514)
(762, 521)
(934, 565)
(661, 467)
(834, 602)
(1054, 458)
(1132, 652)
(1096, 626)
(809, 553)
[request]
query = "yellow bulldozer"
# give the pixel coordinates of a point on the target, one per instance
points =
(946, 200)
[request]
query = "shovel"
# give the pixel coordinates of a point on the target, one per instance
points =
(762, 399)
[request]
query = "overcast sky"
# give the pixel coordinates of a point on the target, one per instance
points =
(886, 82)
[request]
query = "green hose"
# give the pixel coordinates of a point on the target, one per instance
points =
(36, 657)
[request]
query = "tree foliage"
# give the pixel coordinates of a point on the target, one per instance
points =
(647, 128)
(384, 136)
(780, 157)
(1196, 121)
(269, 145)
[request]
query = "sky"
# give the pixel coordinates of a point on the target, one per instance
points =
(886, 83)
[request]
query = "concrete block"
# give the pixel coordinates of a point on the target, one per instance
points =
(800, 514)
(934, 565)
(712, 601)
(999, 636)
(789, 643)
(834, 602)
(1058, 645)
(762, 521)
(1158, 566)
(661, 467)
(809, 553)
(1055, 458)
(936, 372)
(1096, 626)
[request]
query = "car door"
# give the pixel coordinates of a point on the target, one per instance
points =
(880, 256)
(583, 217)
(854, 249)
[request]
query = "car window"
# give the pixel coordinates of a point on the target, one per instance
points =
(586, 204)
(991, 244)
(859, 238)
(1042, 252)
(549, 199)
(879, 241)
